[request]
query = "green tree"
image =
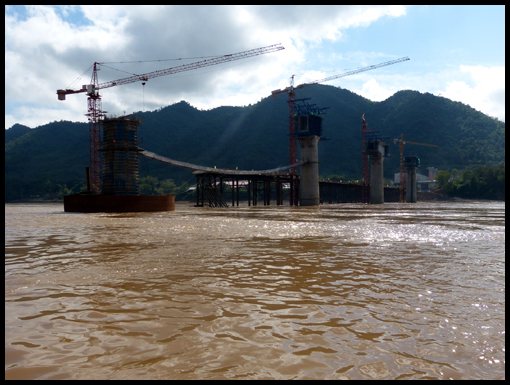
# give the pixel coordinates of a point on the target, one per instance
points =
(149, 185)
(335, 177)
(442, 178)
(167, 187)
(481, 182)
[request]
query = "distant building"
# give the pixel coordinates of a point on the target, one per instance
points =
(432, 173)
(419, 178)
(424, 183)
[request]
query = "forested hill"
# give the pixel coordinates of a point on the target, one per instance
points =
(256, 137)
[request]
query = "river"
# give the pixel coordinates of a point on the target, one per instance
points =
(340, 291)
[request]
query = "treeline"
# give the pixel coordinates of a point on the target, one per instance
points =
(51, 191)
(151, 185)
(21, 190)
(474, 183)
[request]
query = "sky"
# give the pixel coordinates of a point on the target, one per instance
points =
(455, 51)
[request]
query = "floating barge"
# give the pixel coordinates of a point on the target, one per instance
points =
(93, 203)
(120, 191)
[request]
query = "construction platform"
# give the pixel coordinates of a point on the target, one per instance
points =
(93, 203)
(212, 188)
(220, 190)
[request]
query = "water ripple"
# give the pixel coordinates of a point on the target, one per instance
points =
(336, 292)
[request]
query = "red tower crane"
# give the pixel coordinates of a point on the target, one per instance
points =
(95, 111)
(291, 90)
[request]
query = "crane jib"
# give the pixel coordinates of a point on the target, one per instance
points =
(355, 71)
(358, 70)
(192, 66)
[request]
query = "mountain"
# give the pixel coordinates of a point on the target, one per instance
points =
(256, 137)
(15, 132)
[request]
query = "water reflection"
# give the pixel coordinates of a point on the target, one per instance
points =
(340, 291)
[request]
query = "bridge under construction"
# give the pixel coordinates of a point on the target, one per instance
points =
(214, 187)
(113, 181)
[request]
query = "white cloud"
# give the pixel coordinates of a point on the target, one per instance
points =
(45, 32)
(374, 91)
(312, 23)
(32, 116)
(48, 47)
(483, 89)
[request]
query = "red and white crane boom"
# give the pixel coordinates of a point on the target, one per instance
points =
(173, 70)
(95, 112)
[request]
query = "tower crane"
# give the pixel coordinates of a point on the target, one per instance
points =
(291, 90)
(402, 172)
(95, 112)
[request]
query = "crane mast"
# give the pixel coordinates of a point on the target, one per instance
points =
(291, 90)
(95, 111)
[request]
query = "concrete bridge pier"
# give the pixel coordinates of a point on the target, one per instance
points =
(376, 149)
(411, 161)
(309, 185)
(376, 179)
(411, 194)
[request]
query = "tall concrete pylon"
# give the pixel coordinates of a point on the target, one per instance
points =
(377, 150)
(376, 179)
(411, 194)
(308, 121)
(411, 161)
(309, 185)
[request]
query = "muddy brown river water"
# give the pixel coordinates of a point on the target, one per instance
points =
(342, 291)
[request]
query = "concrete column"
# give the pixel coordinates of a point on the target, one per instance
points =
(376, 179)
(411, 194)
(309, 185)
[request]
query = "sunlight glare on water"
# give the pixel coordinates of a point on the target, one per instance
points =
(413, 291)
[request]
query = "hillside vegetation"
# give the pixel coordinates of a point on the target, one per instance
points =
(256, 137)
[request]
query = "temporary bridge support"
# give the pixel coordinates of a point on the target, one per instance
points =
(212, 187)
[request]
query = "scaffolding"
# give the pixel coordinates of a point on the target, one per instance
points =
(308, 118)
(120, 156)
